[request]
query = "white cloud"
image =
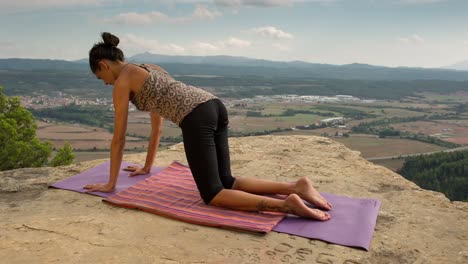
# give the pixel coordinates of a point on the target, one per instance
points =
(281, 47)
(204, 46)
(200, 13)
(264, 3)
(9, 49)
(138, 19)
(8, 5)
(236, 43)
(413, 39)
(175, 48)
(132, 41)
(132, 44)
(6, 44)
(221, 45)
(272, 32)
(138, 44)
(421, 1)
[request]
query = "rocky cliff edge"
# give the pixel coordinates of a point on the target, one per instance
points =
(41, 225)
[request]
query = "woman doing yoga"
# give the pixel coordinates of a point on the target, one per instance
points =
(204, 122)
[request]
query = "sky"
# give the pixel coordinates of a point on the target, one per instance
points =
(410, 33)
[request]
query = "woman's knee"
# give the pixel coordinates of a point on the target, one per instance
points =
(208, 195)
(228, 182)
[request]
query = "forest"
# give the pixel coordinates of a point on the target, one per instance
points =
(97, 116)
(445, 172)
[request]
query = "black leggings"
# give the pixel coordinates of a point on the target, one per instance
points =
(205, 133)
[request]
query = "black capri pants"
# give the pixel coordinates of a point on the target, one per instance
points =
(205, 135)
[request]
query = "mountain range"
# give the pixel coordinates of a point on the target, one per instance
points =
(461, 66)
(238, 66)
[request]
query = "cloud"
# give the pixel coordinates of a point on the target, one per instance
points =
(138, 44)
(202, 12)
(9, 49)
(236, 43)
(134, 44)
(421, 1)
(199, 13)
(138, 19)
(6, 5)
(204, 46)
(221, 45)
(281, 47)
(175, 48)
(6, 44)
(272, 32)
(260, 3)
(264, 3)
(413, 39)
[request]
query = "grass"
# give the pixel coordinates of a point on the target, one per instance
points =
(252, 124)
(144, 129)
(444, 97)
(383, 147)
(372, 146)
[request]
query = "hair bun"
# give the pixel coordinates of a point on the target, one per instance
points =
(110, 39)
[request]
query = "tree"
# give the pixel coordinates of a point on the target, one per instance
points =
(19, 146)
(64, 156)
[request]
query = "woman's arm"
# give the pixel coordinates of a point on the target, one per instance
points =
(156, 130)
(121, 99)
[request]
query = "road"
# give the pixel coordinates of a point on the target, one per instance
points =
(417, 154)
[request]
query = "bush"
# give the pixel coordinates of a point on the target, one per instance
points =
(19, 146)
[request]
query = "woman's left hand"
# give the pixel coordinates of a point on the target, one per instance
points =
(99, 187)
(136, 170)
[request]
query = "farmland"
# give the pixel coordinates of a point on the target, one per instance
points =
(265, 116)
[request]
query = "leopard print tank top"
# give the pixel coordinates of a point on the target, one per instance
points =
(170, 98)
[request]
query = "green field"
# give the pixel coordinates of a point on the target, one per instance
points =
(85, 156)
(273, 118)
(383, 147)
(452, 98)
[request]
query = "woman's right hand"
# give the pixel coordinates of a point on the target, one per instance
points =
(136, 170)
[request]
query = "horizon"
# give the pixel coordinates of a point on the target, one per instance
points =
(390, 33)
(222, 55)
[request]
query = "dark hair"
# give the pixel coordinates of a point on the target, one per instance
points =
(106, 49)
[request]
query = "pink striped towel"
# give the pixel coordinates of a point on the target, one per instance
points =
(172, 193)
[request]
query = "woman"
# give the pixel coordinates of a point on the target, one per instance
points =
(204, 122)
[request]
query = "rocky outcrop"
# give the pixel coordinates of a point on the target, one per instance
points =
(41, 225)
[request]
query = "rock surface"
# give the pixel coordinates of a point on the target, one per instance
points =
(40, 225)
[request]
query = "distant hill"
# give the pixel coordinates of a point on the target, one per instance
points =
(39, 64)
(241, 66)
(461, 66)
(237, 77)
(297, 68)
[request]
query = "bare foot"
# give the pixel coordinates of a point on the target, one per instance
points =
(295, 205)
(306, 191)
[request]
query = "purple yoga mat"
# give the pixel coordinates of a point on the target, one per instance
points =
(352, 222)
(100, 174)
